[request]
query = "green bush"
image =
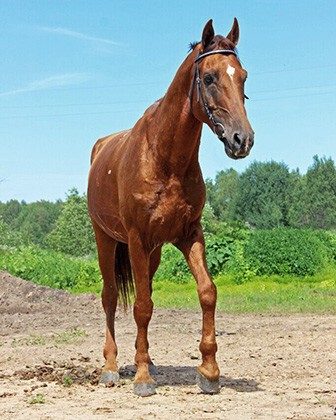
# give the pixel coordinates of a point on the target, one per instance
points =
(220, 248)
(50, 268)
(286, 251)
(173, 266)
(9, 237)
(238, 266)
(329, 240)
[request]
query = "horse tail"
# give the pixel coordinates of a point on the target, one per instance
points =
(123, 275)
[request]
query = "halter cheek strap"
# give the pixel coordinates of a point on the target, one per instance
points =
(199, 94)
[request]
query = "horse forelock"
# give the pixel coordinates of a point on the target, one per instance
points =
(218, 42)
(192, 45)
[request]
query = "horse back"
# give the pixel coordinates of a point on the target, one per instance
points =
(101, 143)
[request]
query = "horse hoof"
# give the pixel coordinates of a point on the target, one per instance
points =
(208, 387)
(153, 369)
(144, 389)
(109, 376)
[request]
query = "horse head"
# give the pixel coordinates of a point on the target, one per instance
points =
(219, 80)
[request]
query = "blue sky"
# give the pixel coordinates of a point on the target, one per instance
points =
(76, 70)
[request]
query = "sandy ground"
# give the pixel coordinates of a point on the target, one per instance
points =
(272, 367)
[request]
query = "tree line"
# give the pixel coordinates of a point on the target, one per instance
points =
(266, 195)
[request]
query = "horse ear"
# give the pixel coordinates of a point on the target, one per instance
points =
(208, 34)
(233, 35)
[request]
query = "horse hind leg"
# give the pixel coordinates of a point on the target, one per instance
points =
(154, 263)
(106, 247)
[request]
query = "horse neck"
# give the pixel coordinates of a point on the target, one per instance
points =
(174, 130)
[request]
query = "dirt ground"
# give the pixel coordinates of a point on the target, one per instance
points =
(272, 367)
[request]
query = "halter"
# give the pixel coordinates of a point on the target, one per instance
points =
(199, 93)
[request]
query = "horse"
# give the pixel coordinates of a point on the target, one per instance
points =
(146, 188)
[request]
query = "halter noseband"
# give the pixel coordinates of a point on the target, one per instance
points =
(199, 93)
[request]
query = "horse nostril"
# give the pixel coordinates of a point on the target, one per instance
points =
(237, 139)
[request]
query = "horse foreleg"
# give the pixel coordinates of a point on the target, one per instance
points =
(106, 247)
(193, 249)
(143, 309)
(154, 262)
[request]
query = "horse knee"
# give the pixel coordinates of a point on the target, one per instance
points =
(207, 295)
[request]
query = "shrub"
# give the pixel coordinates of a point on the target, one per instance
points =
(329, 240)
(238, 265)
(219, 249)
(173, 266)
(50, 268)
(286, 251)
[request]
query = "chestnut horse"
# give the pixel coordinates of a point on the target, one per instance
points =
(146, 189)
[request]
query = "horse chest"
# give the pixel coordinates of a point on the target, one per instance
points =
(168, 211)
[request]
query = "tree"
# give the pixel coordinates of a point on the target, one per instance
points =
(263, 196)
(74, 233)
(320, 197)
(36, 220)
(9, 237)
(298, 216)
(10, 212)
(221, 194)
(209, 222)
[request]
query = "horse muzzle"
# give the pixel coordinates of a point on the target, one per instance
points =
(239, 145)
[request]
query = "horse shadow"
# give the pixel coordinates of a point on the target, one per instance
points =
(186, 375)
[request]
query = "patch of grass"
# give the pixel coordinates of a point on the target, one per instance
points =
(29, 341)
(69, 337)
(68, 381)
(37, 399)
(72, 336)
(273, 294)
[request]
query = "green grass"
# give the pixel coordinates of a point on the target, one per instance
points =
(273, 294)
(29, 341)
(37, 399)
(67, 381)
(69, 337)
(72, 336)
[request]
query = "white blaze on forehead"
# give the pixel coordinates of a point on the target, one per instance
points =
(230, 71)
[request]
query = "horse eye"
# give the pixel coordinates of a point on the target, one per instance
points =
(208, 79)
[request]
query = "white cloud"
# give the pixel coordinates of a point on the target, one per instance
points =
(49, 82)
(78, 35)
